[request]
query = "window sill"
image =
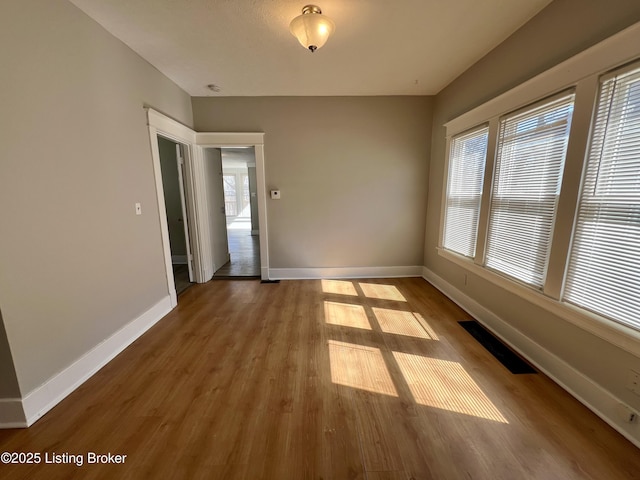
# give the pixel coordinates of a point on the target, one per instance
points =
(619, 335)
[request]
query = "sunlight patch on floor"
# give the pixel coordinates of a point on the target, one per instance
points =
(346, 315)
(339, 287)
(446, 385)
(360, 367)
(404, 323)
(382, 292)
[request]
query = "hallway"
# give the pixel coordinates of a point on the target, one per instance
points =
(244, 250)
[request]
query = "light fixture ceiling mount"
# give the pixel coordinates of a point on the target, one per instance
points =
(312, 28)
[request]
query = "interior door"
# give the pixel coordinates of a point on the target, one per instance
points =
(217, 214)
(181, 175)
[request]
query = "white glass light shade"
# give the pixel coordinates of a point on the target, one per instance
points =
(312, 29)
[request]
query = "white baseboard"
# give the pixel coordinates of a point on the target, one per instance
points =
(53, 391)
(600, 401)
(343, 272)
(179, 259)
(11, 413)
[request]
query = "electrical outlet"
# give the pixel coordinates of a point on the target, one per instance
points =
(626, 414)
(633, 382)
(138, 209)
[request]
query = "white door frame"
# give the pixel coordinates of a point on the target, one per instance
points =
(181, 166)
(255, 140)
(195, 195)
(160, 125)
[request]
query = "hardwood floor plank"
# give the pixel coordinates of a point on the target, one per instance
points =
(342, 379)
(244, 252)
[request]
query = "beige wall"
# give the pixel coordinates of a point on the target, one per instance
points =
(76, 263)
(8, 380)
(561, 30)
(352, 172)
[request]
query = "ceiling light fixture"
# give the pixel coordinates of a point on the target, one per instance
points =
(312, 29)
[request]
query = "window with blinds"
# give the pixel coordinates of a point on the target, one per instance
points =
(532, 146)
(467, 158)
(604, 263)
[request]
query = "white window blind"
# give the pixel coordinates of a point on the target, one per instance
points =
(532, 147)
(464, 188)
(604, 264)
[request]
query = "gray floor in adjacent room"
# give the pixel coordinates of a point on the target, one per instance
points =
(244, 249)
(181, 277)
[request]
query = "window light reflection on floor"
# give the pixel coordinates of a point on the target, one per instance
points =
(360, 367)
(382, 292)
(339, 287)
(404, 323)
(346, 315)
(446, 385)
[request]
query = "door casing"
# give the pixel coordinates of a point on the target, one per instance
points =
(193, 144)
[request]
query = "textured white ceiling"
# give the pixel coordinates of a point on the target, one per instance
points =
(380, 47)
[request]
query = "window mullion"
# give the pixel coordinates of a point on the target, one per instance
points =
(586, 95)
(485, 202)
(602, 274)
(239, 188)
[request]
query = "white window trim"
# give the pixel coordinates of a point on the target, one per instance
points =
(634, 66)
(446, 185)
(585, 68)
(624, 337)
(490, 191)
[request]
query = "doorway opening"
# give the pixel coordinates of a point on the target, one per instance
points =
(206, 220)
(239, 189)
(172, 168)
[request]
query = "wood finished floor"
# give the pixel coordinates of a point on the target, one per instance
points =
(366, 379)
(181, 278)
(244, 250)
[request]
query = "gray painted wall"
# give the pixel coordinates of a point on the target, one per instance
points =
(76, 263)
(173, 203)
(352, 172)
(561, 30)
(8, 381)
